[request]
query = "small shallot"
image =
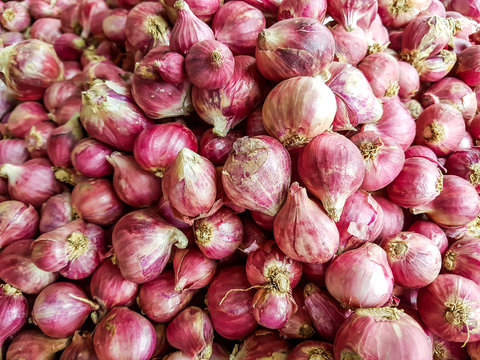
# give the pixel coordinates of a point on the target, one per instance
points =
(33, 345)
(192, 269)
(89, 158)
(17, 221)
(13, 310)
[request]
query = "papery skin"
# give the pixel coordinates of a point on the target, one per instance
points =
(47, 30)
(13, 311)
(95, 201)
(62, 141)
(101, 117)
(80, 348)
(327, 314)
(420, 151)
(17, 221)
(69, 46)
(396, 122)
(355, 104)
(316, 9)
(224, 108)
(457, 205)
(308, 349)
(36, 139)
(204, 10)
(452, 92)
(102, 69)
(408, 80)
(303, 231)
(440, 127)
(462, 259)
(298, 109)
(414, 259)
(233, 318)
(254, 159)
(149, 239)
(465, 164)
(262, 344)
(436, 67)
(154, 95)
(14, 16)
(70, 108)
(418, 183)
(13, 151)
(272, 309)
(74, 249)
(54, 302)
(34, 345)
(361, 221)
(382, 72)
(220, 234)
(7, 101)
(389, 329)
(124, 334)
(393, 217)
(396, 15)
(171, 68)
(212, 58)
(300, 324)
(332, 168)
(165, 210)
(159, 300)
(286, 49)
(369, 282)
(134, 185)
(468, 65)
(29, 68)
(383, 158)
(89, 158)
(191, 331)
(442, 302)
(24, 116)
(433, 232)
(216, 148)
(36, 175)
(237, 25)
(189, 184)
(114, 25)
(350, 46)
(188, 29)
(18, 269)
(90, 17)
(349, 13)
(192, 269)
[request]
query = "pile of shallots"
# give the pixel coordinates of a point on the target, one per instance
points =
(254, 179)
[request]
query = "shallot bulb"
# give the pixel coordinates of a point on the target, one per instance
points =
(47, 30)
(443, 350)
(204, 10)
(109, 288)
(29, 68)
(331, 174)
(311, 349)
(468, 65)
(383, 159)
(272, 309)
(103, 121)
(33, 182)
(189, 184)
(440, 127)
(159, 300)
(209, 57)
(142, 242)
(146, 27)
(114, 25)
(298, 109)
(465, 164)
(237, 99)
(408, 80)
(361, 277)
(13, 151)
(436, 67)
(17, 221)
(188, 29)
(90, 17)
(220, 234)
(457, 205)
(54, 302)
(75, 249)
(350, 46)
(349, 13)
(123, 333)
(24, 116)
(361, 221)
(420, 151)
(449, 307)
(355, 104)
(14, 16)
(300, 324)
(70, 108)
(69, 46)
(303, 231)
(13, 310)
(237, 25)
(165, 210)
(89, 157)
(191, 331)
(133, 185)
(431, 231)
(217, 148)
(37, 138)
(462, 259)
(286, 50)
(415, 261)
(192, 269)
(397, 14)
(17, 269)
(262, 344)
(81, 347)
(327, 314)
(390, 331)
(153, 87)
(382, 72)
(61, 142)
(452, 92)
(264, 187)
(419, 182)
(95, 201)
(33, 344)
(393, 217)
(230, 303)
(316, 9)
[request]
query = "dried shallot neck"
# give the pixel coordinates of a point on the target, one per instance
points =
(293, 140)
(475, 174)
(449, 260)
(204, 233)
(306, 331)
(77, 245)
(381, 314)
(397, 248)
(399, 7)
(217, 59)
(393, 89)
(10, 290)
(157, 27)
(319, 354)
(278, 280)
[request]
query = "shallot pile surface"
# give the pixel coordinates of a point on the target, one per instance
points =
(254, 179)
